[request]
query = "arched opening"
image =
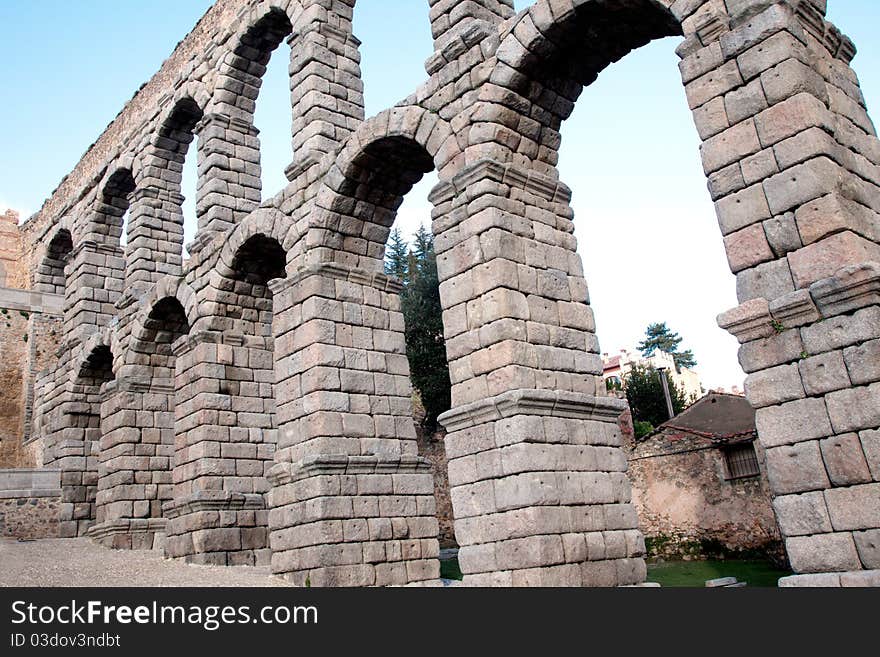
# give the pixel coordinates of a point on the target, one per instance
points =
(114, 211)
(80, 486)
(153, 349)
(245, 74)
(384, 224)
(50, 276)
(273, 118)
(376, 182)
(177, 133)
(645, 263)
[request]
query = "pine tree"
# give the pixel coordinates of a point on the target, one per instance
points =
(658, 337)
(397, 257)
(423, 319)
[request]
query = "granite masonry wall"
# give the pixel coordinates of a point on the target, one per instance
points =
(254, 404)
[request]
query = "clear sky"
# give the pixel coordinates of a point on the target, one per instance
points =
(645, 225)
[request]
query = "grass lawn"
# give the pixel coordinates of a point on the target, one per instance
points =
(695, 573)
(684, 573)
(449, 569)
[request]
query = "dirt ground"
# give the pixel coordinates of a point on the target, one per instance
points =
(80, 562)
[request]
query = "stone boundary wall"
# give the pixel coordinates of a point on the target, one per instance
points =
(689, 508)
(30, 501)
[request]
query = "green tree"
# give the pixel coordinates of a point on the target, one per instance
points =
(423, 319)
(397, 256)
(659, 337)
(644, 392)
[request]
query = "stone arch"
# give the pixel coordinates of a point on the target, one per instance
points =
(228, 124)
(167, 289)
(155, 230)
(113, 202)
(138, 424)
(358, 201)
(78, 453)
(51, 275)
(549, 54)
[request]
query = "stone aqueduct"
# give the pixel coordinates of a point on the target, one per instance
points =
(253, 403)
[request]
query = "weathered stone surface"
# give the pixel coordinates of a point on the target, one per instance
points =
(802, 515)
(258, 393)
(796, 468)
(855, 507)
(774, 386)
(793, 422)
(845, 460)
(822, 553)
(824, 373)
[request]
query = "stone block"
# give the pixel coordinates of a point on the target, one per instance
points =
(774, 386)
(747, 248)
(796, 468)
(868, 546)
(855, 507)
(822, 553)
(770, 280)
(863, 362)
(824, 373)
(802, 515)
(871, 447)
(742, 209)
(824, 258)
(845, 460)
(793, 422)
(854, 409)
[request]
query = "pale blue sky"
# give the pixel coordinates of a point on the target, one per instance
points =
(645, 225)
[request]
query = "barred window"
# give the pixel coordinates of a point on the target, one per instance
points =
(741, 461)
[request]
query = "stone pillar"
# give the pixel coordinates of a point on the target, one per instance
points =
(537, 475)
(134, 473)
(94, 282)
(327, 93)
(229, 184)
(352, 504)
(95, 279)
(155, 232)
(225, 438)
(792, 160)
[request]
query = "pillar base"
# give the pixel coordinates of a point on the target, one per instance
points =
(130, 533)
(338, 520)
(218, 528)
(856, 578)
(540, 493)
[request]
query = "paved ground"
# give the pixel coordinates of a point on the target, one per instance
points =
(80, 562)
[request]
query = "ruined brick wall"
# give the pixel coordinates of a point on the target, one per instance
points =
(13, 364)
(29, 517)
(30, 330)
(688, 508)
(30, 501)
(13, 270)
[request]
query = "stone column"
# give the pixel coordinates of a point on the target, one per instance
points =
(134, 473)
(537, 474)
(229, 184)
(94, 282)
(225, 438)
(792, 160)
(327, 93)
(352, 504)
(155, 232)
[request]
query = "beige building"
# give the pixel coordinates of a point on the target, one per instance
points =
(615, 368)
